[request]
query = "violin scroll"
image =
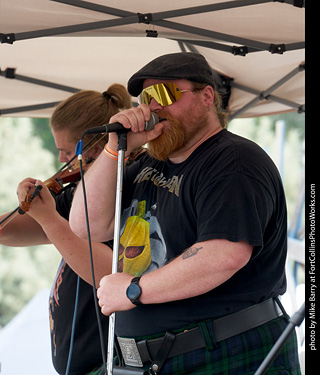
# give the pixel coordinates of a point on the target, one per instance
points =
(25, 205)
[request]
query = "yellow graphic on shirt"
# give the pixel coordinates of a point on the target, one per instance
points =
(134, 249)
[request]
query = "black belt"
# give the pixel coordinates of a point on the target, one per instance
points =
(223, 328)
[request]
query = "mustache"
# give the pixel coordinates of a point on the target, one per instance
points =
(163, 115)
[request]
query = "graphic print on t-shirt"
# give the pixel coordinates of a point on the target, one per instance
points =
(54, 300)
(142, 248)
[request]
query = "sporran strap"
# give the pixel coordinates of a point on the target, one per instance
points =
(162, 353)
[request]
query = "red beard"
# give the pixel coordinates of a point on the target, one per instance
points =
(180, 131)
(171, 139)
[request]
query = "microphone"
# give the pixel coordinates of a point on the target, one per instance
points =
(116, 127)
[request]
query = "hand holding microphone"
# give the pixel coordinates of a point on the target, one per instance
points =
(116, 127)
(131, 122)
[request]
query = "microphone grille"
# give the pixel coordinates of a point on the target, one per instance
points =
(154, 119)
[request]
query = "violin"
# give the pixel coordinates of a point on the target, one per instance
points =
(68, 173)
(55, 184)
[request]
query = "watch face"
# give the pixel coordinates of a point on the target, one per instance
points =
(133, 292)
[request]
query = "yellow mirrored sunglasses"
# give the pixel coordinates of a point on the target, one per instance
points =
(164, 93)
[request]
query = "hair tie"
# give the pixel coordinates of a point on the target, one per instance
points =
(106, 95)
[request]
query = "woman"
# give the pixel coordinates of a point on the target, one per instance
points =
(47, 222)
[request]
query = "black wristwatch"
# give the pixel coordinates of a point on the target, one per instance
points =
(134, 291)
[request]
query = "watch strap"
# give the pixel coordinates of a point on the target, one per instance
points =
(135, 280)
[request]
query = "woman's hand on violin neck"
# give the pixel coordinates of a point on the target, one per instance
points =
(24, 187)
(43, 207)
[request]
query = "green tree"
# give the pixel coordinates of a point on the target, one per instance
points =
(23, 271)
(41, 128)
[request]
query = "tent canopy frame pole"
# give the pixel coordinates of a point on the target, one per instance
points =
(127, 18)
(264, 95)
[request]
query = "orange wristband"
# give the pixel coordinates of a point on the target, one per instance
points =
(112, 154)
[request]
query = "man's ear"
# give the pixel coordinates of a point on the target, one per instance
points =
(208, 94)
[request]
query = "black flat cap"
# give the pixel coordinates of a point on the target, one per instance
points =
(183, 65)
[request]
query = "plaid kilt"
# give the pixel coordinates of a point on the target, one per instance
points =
(238, 355)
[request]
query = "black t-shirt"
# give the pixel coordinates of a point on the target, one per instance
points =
(228, 188)
(86, 352)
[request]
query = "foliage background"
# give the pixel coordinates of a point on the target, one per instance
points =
(27, 149)
(23, 153)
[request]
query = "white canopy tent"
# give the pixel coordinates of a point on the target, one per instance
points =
(25, 346)
(52, 48)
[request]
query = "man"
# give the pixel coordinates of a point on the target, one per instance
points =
(203, 232)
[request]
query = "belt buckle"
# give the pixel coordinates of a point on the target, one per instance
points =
(130, 352)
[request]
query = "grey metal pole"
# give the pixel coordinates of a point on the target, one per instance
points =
(115, 259)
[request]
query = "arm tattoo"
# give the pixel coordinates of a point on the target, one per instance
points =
(190, 252)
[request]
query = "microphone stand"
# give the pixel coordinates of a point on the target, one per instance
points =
(294, 321)
(122, 147)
